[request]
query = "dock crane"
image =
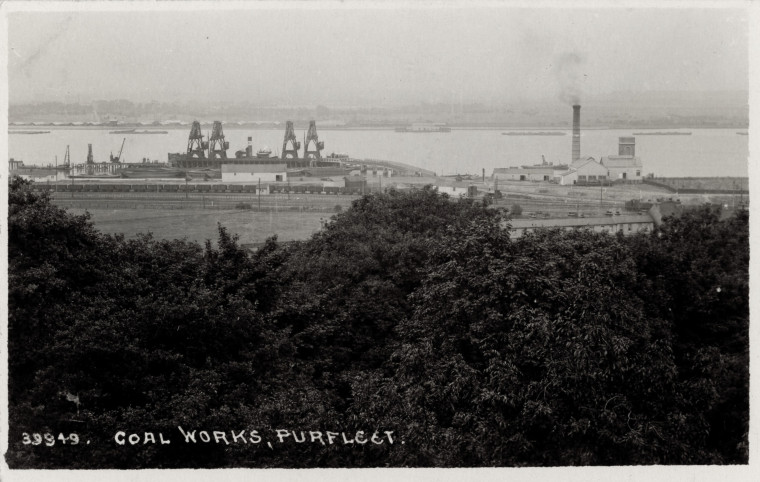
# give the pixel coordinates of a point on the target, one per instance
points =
(219, 146)
(67, 158)
(196, 146)
(290, 135)
(118, 158)
(318, 145)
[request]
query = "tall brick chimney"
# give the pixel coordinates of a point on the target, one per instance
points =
(576, 132)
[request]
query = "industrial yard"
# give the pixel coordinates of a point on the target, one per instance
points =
(293, 214)
(291, 194)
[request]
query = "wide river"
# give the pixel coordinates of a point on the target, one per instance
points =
(706, 152)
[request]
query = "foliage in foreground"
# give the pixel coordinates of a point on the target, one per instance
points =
(407, 313)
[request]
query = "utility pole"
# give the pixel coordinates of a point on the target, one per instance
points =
(258, 191)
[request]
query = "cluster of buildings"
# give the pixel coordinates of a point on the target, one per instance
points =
(274, 173)
(624, 167)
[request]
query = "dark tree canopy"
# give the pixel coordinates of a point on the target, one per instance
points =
(409, 312)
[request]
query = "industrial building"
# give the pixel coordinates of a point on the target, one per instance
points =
(254, 173)
(624, 167)
(584, 171)
(543, 172)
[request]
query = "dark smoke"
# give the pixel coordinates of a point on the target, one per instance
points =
(569, 69)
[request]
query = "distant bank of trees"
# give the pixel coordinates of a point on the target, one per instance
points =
(406, 314)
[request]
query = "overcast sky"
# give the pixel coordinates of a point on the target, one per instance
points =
(351, 54)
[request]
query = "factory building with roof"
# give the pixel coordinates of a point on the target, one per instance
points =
(624, 167)
(543, 172)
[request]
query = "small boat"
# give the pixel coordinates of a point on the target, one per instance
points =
(28, 132)
(264, 153)
(529, 133)
(135, 131)
(424, 127)
(674, 133)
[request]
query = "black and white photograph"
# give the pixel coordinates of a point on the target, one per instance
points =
(341, 240)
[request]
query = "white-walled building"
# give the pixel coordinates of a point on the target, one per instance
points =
(452, 191)
(545, 172)
(591, 172)
(625, 167)
(254, 173)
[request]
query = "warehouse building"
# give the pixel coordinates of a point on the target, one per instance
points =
(583, 171)
(541, 172)
(254, 173)
(627, 224)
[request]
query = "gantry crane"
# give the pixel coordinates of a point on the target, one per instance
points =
(290, 135)
(318, 145)
(196, 147)
(218, 147)
(67, 158)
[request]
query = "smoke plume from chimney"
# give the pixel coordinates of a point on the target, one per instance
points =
(576, 132)
(569, 69)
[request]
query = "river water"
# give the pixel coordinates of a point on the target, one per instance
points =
(706, 152)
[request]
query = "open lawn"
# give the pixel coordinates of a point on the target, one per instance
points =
(201, 224)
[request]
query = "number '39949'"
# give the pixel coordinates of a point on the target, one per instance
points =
(49, 439)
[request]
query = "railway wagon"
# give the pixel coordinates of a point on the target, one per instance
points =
(62, 188)
(75, 188)
(332, 190)
(202, 188)
(218, 188)
(236, 188)
(169, 187)
(121, 188)
(138, 188)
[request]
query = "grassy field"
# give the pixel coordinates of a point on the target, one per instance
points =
(201, 224)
